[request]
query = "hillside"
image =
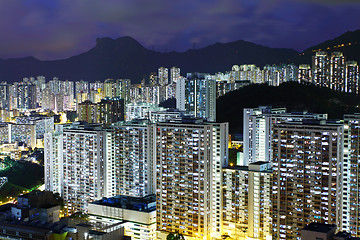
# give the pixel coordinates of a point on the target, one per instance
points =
(22, 176)
(126, 58)
(294, 96)
(348, 43)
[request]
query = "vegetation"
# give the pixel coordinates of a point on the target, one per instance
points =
(292, 95)
(10, 190)
(175, 236)
(22, 176)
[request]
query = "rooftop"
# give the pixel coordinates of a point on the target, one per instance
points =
(319, 227)
(144, 204)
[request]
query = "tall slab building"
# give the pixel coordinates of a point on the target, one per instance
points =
(351, 182)
(189, 158)
(134, 158)
(78, 164)
(247, 201)
(307, 176)
(197, 95)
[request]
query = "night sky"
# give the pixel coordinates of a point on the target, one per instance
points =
(55, 29)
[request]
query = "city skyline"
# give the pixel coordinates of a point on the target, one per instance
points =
(60, 29)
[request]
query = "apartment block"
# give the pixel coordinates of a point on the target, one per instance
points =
(307, 176)
(188, 178)
(247, 201)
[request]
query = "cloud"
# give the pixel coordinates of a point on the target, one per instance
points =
(341, 2)
(61, 28)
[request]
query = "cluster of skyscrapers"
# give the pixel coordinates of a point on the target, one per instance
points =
(296, 168)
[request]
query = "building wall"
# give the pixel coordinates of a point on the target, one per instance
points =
(307, 177)
(351, 215)
(247, 202)
(184, 160)
(134, 143)
(83, 168)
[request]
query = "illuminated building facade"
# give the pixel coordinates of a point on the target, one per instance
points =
(257, 133)
(304, 74)
(140, 110)
(81, 91)
(352, 77)
(96, 92)
(42, 124)
(25, 95)
(197, 95)
(110, 88)
(174, 74)
(88, 112)
(337, 71)
(134, 158)
(4, 96)
(163, 76)
(307, 176)
(53, 160)
(163, 116)
(247, 201)
(258, 126)
(111, 111)
(321, 69)
(351, 192)
(85, 163)
(188, 174)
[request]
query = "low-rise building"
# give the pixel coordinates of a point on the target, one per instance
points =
(136, 215)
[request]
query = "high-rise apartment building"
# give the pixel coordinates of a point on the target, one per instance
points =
(134, 158)
(123, 89)
(174, 74)
(110, 88)
(84, 170)
(4, 96)
(111, 111)
(257, 133)
(188, 178)
(153, 79)
(96, 91)
(81, 91)
(25, 95)
(40, 85)
(307, 176)
(68, 93)
(53, 160)
(304, 74)
(197, 95)
(258, 126)
(352, 77)
(247, 201)
(88, 112)
(337, 71)
(320, 69)
(163, 76)
(351, 192)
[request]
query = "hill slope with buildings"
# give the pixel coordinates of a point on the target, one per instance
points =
(294, 96)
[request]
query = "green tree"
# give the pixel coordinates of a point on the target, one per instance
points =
(175, 236)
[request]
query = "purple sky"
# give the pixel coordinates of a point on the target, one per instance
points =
(54, 29)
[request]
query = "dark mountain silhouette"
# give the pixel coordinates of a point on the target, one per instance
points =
(348, 43)
(126, 58)
(292, 95)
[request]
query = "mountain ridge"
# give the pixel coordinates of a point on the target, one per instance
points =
(125, 57)
(341, 44)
